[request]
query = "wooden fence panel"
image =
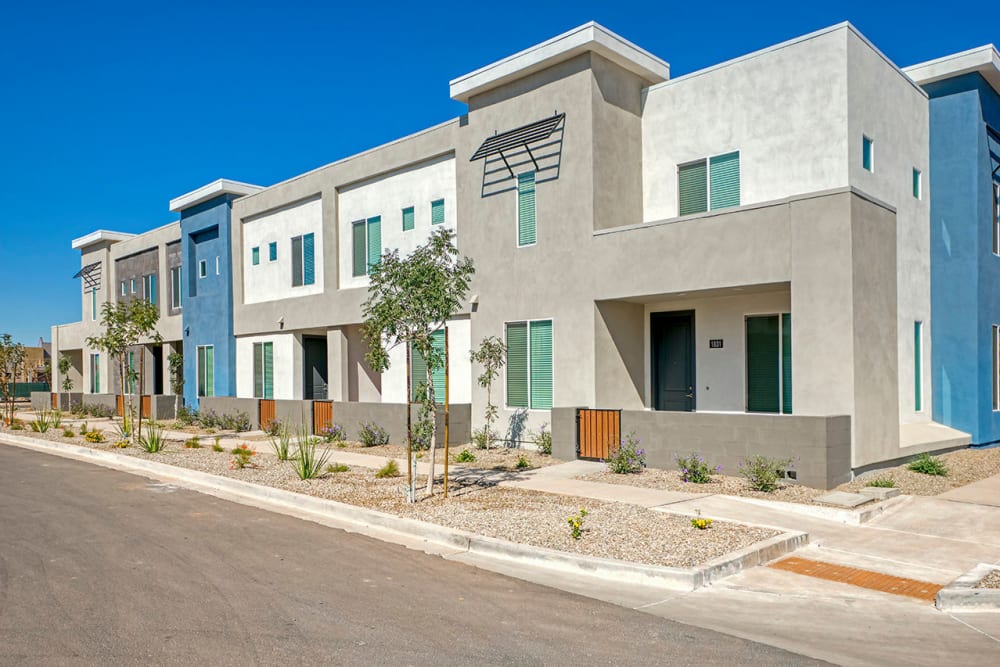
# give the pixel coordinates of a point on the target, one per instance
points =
(597, 432)
(322, 415)
(266, 414)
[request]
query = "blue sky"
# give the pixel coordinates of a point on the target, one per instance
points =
(111, 109)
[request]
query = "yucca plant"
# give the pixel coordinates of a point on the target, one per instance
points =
(153, 441)
(310, 461)
(43, 420)
(57, 417)
(281, 443)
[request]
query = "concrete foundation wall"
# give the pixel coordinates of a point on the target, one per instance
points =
(226, 405)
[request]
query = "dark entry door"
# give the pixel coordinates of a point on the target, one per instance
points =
(314, 371)
(158, 370)
(672, 337)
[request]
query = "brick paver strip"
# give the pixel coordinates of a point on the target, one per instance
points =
(875, 581)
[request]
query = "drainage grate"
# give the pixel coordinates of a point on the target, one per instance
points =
(875, 581)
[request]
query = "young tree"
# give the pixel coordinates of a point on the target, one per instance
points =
(491, 355)
(176, 362)
(410, 299)
(64, 365)
(12, 356)
(125, 324)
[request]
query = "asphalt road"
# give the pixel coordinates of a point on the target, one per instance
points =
(101, 567)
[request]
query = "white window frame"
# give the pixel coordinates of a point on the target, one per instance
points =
(864, 138)
(197, 370)
(708, 182)
(124, 289)
(527, 323)
(217, 265)
(132, 285)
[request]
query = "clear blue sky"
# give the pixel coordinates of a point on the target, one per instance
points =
(111, 109)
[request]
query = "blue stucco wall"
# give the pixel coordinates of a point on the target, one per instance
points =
(965, 274)
(207, 304)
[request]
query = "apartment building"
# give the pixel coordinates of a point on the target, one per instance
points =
(736, 261)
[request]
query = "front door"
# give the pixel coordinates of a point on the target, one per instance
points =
(314, 371)
(672, 336)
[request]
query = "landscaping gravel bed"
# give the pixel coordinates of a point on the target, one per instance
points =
(670, 480)
(964, 467)
(495, 458)
(611, 530)
(991, 580)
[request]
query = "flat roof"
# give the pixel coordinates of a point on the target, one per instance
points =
(982, 59)
(588, 37)
(223, 186)
(100, 236)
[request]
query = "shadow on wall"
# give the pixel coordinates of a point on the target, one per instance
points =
(515, 428)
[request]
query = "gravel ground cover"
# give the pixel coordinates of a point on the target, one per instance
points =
(991, 580)
(964, 467)
(670, 480)
(495, 458)
(611, 530)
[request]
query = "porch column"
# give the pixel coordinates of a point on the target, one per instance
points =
(336, 364)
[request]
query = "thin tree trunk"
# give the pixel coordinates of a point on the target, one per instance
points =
(430, 397)
(142, 373)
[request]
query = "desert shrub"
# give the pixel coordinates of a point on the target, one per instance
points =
(694, 469)
(153, 442)
(193, 443)
(217, 447)
(576, 524)
(94, 437)
(238, 421)
(390, 469)
(56, 418)
(281, 443)
(333, 433)
(627, 457)
(96, 410)
(43, 421)
(68, 433)
(337, 467)
(83, 429)
(242, 457)
(700, 522)
(186, 416)
(309, 460)
(372, 435)
(762, 473)
(928, 465)
(274, 427)
(882, 482)
(465, 456)
(522, 462)
(16, 424)
(543, 441)
(481, 438)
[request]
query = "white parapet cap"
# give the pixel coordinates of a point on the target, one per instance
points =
(984, 59)
(100, 236)
(588, 37)
(223, 186)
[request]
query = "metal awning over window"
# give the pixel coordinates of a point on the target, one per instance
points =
(91, 275)
(518, 138)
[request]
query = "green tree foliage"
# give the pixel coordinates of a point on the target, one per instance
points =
(491, 355)
(12, 357)
(64, 366)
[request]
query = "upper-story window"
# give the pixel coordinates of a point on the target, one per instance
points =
(149, 288)
(366, 244)
(124, 289)
(526, 233)
(437, 211)
(918, 184)
(93, 304)
(175, 287)
(272, 251)
(709, 184)
(408, 221)
(217, 268)
(255, 255)
(867, 153)
(132, 285)
(996, 218)
(303, 260)
(202, 268)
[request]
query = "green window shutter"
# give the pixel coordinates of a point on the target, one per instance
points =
(438, 374)
(692, 187)
(407, 219)
(308, 260)
(762, 364)
(916, 183)
(437, 212)
(517, 365)
(129, 382)
(210, 371)
(786, 363)
(272, 251)
(418, 372)
(724, 174)
(526, 234)
(95, 373)
(359, 248)
(918, 398)
(541, 364)
(152, 289)
(374, 240)
(297, 261)
(255, 253)
(258, 370)
(201, 371)
(93, 304)
(268, 370)
(867, 153)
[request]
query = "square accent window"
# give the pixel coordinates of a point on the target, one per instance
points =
(867, 154)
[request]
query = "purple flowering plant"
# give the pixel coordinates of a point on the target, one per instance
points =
(695, 470)
(627, 457)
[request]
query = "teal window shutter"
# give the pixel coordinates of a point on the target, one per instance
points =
(762, 364)
(437, 211)
(786, 363)
(692, 188)
(210, 371)
(268, 370)
(93, 304)
(526, 233)
(374, 240)
(437, 339)
(916, 183)
(867, 154)
(152, 289)
(724, 184)
(272, 251)
(297, 261)
(359, 248)
(418, 373)
(308, 260)
(540, 381)
(201, 371)
(418, 369)
(255, 253)
(517, 365)
(130, 380)
(918, 362)
(407, 219)
(258, 370)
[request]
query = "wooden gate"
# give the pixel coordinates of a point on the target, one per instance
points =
(120, 405)
(146, 407)
(322, 415)
(597, 431)
(55, 401)
(266, 413)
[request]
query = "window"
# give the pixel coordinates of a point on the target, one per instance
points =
(437, 211)
(132, 285)
(709, 185)
(407, 219)
(418, 370)
(996, 367)
(769, 363)
(175, 287)
(206, 370)
(130, 374)
(272, 251)
(202, 268)
(263, 370)
(366, 244)
(95, 374)
(149, 288)
(255, 255)
(918, 366)
(93, 304)
(303, 261)
(867, 154)
(216, 265)
(918, 186)
(996, 218)
(124, 289)
(526, 232)
(529, 364)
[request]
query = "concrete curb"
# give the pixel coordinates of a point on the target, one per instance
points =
(962, 594)
(400, 530)
(847, 517)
